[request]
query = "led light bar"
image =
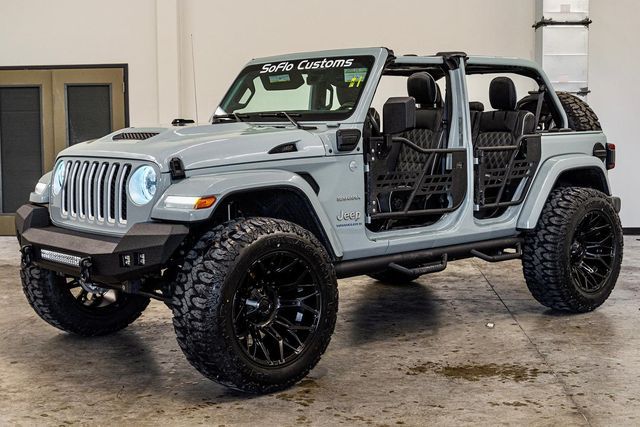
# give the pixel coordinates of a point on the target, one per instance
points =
(60, 258)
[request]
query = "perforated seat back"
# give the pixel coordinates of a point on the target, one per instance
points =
(429, 132)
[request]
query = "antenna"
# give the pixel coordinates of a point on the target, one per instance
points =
(195, 91)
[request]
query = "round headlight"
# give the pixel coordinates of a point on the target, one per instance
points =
(142, 185)
(58, 178)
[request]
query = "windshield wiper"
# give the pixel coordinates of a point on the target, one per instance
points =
(233, 116)
(288, 117)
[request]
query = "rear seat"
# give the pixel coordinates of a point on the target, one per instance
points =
(504, 125)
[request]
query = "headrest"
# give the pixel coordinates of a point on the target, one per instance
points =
(476, 106)
(502, 94)
(423, 88)
(347, 95)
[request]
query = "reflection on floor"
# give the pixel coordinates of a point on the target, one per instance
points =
(468, 345)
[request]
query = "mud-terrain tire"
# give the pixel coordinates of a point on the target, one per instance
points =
(580, 116)
(52, 299)
(577, 233)
(392, 277)
(229, 298)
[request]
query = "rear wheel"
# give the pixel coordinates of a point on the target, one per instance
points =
(255, 304)
(88, 311)
(572, 259)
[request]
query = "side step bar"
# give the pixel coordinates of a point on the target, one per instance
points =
(488, 250)
(432, 267)
(500, 254)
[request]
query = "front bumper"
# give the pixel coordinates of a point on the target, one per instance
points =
(144, 249)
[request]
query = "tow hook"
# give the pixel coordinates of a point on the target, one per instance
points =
(27, 255)
(85, 270)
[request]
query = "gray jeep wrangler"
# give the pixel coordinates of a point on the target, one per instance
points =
(242, 226)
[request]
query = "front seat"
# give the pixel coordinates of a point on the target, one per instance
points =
(429, 131)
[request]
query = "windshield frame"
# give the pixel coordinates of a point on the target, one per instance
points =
(366, 59)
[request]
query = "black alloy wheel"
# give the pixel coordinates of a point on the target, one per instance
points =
(572, 259)
(255, 304)
(277, 308)
(592, 252)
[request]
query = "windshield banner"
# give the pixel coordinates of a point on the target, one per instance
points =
(307, 64)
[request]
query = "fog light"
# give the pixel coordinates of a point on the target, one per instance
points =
(125, 260)
(141, 259)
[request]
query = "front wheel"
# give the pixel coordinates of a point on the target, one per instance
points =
(572, 259)
(255, 304)
(83, 310)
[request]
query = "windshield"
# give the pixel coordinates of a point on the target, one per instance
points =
(307, 89)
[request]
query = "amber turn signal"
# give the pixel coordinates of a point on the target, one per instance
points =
(205, 202)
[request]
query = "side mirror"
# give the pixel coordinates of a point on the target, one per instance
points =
(398, 115)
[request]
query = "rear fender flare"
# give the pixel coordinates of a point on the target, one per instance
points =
(546, 179)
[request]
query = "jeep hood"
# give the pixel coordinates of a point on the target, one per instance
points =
(202, 146)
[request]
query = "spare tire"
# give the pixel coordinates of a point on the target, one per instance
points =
(580, 116)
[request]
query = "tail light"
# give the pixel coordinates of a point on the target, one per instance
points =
(611, 156)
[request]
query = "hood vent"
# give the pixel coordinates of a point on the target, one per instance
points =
(138, 136)
(288, 147)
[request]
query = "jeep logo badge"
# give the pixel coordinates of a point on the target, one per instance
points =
(348, 216)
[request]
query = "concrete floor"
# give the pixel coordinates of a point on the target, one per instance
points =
(413, 355)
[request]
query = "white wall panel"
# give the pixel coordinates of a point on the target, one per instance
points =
(64, 32)
(614, 67)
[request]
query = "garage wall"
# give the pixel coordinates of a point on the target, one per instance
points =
(66, 32)
(614, 67)
(154, 38)
(227, 36)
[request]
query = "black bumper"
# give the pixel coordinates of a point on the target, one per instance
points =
(144, 249)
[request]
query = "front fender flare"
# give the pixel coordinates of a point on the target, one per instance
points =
(227, 183)
(545, 181)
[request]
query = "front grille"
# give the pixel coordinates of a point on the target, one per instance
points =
(95, 191)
